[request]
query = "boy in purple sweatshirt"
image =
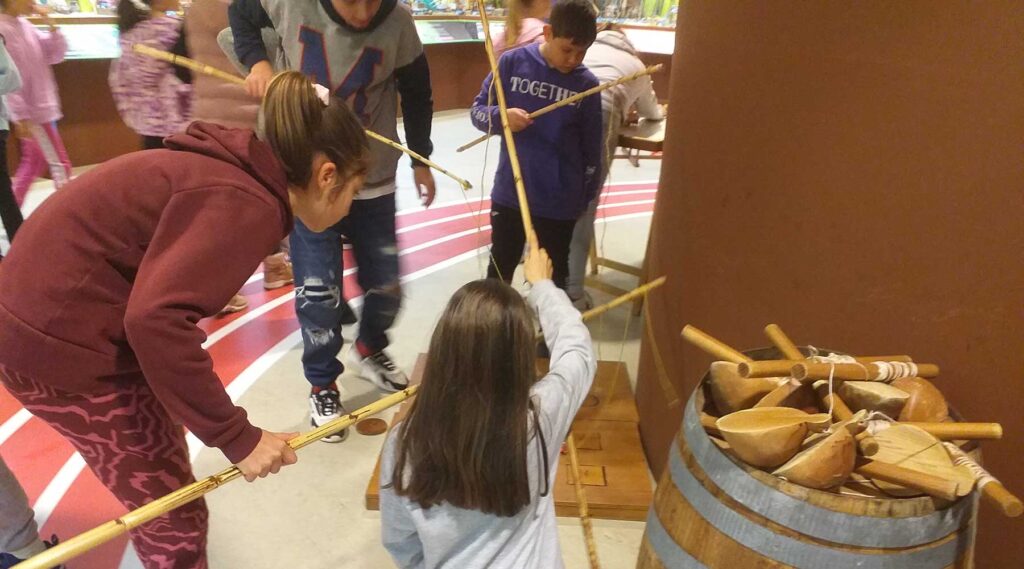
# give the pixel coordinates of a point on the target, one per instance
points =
(559, 153)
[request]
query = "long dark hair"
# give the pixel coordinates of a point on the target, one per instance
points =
(129, 13)
(465, 438)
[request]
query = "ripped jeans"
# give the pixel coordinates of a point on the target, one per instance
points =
(317, 262)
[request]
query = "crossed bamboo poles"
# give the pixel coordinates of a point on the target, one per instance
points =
(99, 535)
(205, 69)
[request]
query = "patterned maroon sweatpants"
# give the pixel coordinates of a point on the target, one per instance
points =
(136, 450)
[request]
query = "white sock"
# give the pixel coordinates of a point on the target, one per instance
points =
(31, 550)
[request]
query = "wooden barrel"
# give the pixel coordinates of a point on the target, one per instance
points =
(715, 512)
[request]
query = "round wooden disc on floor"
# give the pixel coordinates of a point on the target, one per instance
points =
(371, 427)
(591, 401)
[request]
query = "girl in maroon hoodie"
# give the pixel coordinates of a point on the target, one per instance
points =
(100, 299)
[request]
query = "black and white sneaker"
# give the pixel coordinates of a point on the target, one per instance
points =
(380, 370)
(325, 406)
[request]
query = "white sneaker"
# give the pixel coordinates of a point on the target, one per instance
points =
(324, 407)
(380, 370)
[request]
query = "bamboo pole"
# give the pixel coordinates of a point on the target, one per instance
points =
(783, 343)
(102, 534)
(570, 100)
(809, 371)
(960, 431)
(205, 69)
(712, 345)
(95, 537)
(510, 143)
(784, 368)
(581, 502)
(992, 490)
(631, 295)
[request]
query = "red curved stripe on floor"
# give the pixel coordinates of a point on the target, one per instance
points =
(86, 505)
(39, 451)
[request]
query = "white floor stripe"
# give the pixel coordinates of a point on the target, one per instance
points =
(441, 240)
(409, 228)
(11, 425)
(255, 277)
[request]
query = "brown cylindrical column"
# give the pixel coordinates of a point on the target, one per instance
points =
(852, 172)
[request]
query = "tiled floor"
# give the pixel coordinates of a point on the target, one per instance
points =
(312, 515)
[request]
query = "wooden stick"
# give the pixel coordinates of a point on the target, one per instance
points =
(841, 412)
(961, 431)
(766, 368)
(581, 502)
(927, 483)
(205, 69)
(635, 293)
(570, 100)
(712, 345)
(783, 343)
(992, 490)
(95, 537)
(510, 143)
(784, 368)
(869, 371)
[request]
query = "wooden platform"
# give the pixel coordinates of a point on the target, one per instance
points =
(612, 462)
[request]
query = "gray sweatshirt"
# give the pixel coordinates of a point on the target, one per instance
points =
(612, 57)
(448, 537)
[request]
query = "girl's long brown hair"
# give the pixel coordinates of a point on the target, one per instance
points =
(514, 20)
(465, 438)
(297, 125)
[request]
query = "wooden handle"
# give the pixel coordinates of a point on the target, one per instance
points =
(961, 431)
(996, 494)
(810, 371)
(709, 423)
(712, 345)
(841, 412)
(931, 485)
(775, 397)
(867, 359)
(766, 368)
(783, 343)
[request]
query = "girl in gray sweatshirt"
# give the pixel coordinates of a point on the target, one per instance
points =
(466, 477)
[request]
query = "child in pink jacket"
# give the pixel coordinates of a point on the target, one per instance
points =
(36, 106)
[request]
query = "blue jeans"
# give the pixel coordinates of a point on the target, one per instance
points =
(317, 262)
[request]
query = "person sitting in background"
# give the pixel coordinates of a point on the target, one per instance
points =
(36, 106)
(611, 57)
(154, 97)
(524, 25)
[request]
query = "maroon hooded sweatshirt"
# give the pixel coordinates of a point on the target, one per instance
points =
(112, 273)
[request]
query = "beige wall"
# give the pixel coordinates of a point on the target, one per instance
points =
(853, 171)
